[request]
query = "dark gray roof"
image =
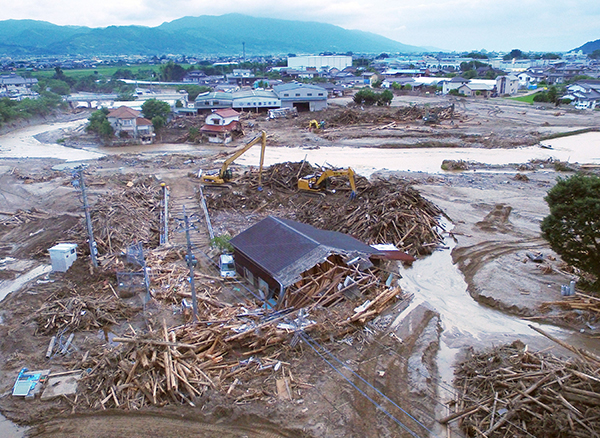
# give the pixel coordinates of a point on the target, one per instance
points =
(286, 248)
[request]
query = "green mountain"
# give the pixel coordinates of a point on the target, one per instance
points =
(589, 47)
(204, 35)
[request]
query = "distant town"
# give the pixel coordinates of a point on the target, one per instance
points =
(194, 85)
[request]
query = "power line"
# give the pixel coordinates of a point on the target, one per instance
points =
(381, 408)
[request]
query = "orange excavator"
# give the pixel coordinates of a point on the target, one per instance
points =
(319, 182)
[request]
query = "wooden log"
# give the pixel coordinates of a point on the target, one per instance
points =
(156, 342)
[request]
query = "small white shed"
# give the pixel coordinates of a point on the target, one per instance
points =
(62, 256)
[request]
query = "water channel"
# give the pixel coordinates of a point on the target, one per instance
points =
(465, 322)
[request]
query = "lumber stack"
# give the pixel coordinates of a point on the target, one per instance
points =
(122, 217)
(509, 391)
(385, 211)
(77, 312)
(230, 348)
(575, 310)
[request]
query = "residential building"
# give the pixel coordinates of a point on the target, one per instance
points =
(273, 254)
(530, 78)
(507, 85)
(453, 84)
(220, 125)
(128, 123)
(584, 94)
(476, 89)
(241, 77)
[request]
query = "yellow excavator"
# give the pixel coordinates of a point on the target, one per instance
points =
(225, 173)
(319, 182)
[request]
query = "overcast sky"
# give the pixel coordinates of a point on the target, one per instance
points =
(529, 25)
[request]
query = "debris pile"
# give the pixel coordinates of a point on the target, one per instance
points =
(510, 391)
(120, 218)
(233, 349)
(575, 309)
(21, 217)
(79, 312)
(412, 113)
(384, 211)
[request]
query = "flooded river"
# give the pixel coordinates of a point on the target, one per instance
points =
(465, 322)
(583, 148)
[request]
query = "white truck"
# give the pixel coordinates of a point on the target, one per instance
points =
(227, 266)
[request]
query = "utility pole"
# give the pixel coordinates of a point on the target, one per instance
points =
(190, 262)
(79, 183)
(164, 237)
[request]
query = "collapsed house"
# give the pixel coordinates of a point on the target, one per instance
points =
(275, 255)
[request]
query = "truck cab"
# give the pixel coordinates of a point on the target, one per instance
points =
(227, 266)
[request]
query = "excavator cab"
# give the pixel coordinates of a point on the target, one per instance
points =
(320, 182)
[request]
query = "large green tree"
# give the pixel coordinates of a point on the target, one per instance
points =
(154, 107)
(573, 226)
(98, 124)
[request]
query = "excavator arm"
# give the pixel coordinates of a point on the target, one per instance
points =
(225, 174)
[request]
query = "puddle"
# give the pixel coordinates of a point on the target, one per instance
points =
(9, 429)
(9, 286)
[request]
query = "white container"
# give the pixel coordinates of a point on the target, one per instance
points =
(62, 256)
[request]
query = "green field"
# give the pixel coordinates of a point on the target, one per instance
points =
(526, 99)
(104, 71)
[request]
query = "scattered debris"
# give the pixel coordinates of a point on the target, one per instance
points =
(509, 391)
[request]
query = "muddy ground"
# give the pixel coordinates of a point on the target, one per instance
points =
(496, 225)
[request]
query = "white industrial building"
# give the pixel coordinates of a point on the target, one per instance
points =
(339, 62)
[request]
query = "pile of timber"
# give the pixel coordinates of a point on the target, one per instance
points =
(170, 279)
(330, 283)
(76, 313)
(509, 391)
(385, 211)
(233, 349)
(21, 217)
(378, 116)
(578, 308)
(122, 217)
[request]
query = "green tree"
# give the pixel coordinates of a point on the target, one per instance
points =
(573, 226)
(385, 98)
(514, 54)
(172, 72)
(477, 55)
(154, 107)
(365, 97)
(158, 122)
(595, 54)
(59, 87)
(194, 90)
(98, 124)
(469, 74)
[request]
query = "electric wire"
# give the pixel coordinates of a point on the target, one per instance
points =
(304, 337)
(446, 387)
(371, 386)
